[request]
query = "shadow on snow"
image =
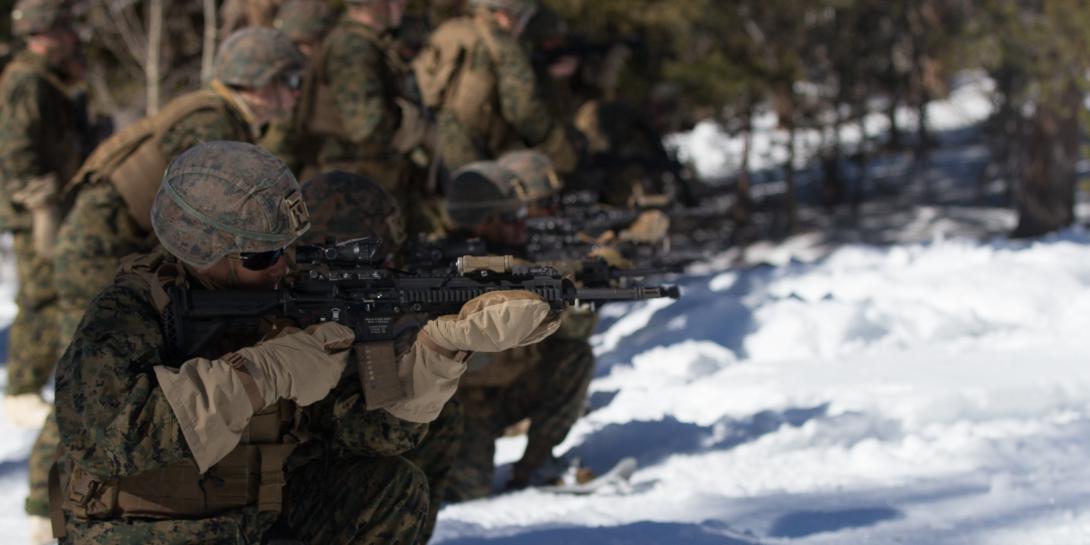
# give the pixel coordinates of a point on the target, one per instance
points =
(652, 441)
(806, 523)
(640, 533)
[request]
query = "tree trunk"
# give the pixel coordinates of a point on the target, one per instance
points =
(832, 179)
(1046, 200)
(789, 176)
(208, 52)
(151, 64)
(894, 142)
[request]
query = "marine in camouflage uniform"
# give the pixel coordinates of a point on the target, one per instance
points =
(346, 206)
(349, 112)
(476, 75)
(306, 22)
(39, 149)
(219, 443)
(119, 420)
(109, 220)
(545, 383)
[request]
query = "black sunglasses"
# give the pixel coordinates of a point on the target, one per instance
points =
(259, 261)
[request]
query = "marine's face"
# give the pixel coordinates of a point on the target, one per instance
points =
(275, 101)
(236, 272)
(61, 47)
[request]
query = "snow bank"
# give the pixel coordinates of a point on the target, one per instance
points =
(931, 393)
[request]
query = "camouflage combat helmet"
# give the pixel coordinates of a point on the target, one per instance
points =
(254, 56)
(535, 172)
(305, 20)
(222, 198)
(36, 16)
(480, 190)
(345, 206)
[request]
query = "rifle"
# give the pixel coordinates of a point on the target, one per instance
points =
(593, 221)
(438, 254)
(344, 283)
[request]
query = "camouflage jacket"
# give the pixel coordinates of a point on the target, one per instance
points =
(494, 104)
(349, 96)
(206, 126)
(39, 131)
(115, 421)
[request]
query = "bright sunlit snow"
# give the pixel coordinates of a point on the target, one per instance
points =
(930, 393)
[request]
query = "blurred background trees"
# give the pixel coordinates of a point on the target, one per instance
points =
(827, 64)
(819, 65)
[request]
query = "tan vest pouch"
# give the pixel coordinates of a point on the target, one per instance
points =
(327, 118)
(131, 159)
(253, 473)
(324, 117)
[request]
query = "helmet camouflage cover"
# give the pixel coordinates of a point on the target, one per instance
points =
(478, 191)
(223, 198)
(255, 56)
(346, 206)
(305, 20)
(535, 173)
(36, 16)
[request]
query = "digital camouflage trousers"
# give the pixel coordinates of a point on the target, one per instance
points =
(551, 394)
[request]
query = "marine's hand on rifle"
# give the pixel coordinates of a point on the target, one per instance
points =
(300, 365)
(214, 400)
(493, 322)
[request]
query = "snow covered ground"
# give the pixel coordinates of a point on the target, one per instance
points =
(927, 393)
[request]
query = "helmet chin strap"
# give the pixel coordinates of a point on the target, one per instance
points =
(233, 281)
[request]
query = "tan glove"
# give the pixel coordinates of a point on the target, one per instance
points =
(215, 399)
(26, 410)
(39, 530)
(39, 196)
(612, 256)
(302, 366)
(650, 227)
(413, 129)
(493, 322)
(559, 148)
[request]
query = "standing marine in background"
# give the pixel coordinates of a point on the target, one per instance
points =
(255, 78)
(474, 73)
(306, 23)
(353, 116)
(40, 148)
